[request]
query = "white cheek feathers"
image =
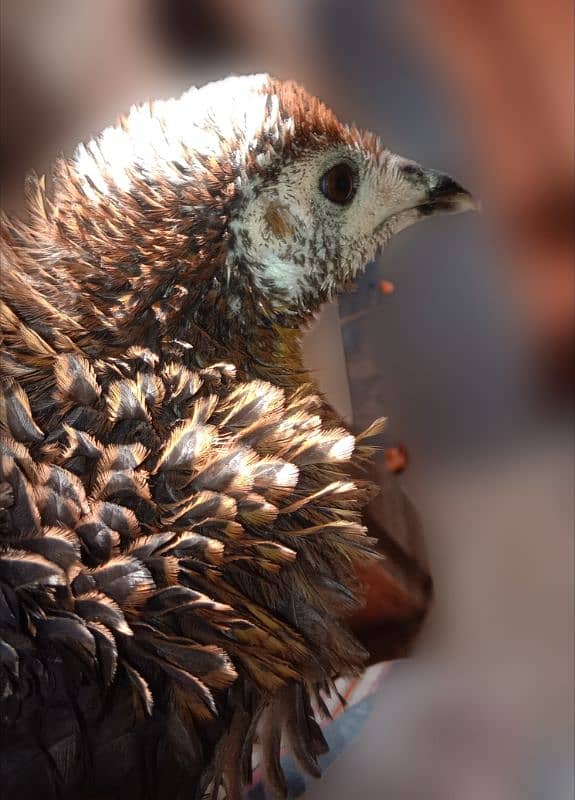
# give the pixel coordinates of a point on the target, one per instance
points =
(273, 238)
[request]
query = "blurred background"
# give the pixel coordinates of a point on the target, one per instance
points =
(462, 334)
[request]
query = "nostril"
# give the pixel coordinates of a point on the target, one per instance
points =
(444, 186)
(412, 172)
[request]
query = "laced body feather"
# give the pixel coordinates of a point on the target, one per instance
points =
(176, 547)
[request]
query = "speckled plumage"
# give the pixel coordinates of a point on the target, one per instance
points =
(177, 528)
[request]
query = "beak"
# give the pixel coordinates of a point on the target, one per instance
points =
(443, 194)
(430, 192)
(420, 193)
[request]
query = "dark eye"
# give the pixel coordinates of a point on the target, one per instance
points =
(338, 184)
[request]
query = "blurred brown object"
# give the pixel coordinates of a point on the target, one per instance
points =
(399, 588)
(396, 459)
(510, 64)
(386, 287)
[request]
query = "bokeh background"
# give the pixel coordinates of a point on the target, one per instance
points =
(470, 357)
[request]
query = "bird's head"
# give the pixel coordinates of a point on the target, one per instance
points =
(318, 199)
(255, 188)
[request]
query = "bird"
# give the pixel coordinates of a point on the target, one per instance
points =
(178, 524)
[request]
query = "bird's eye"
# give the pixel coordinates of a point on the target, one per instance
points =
(338, 184)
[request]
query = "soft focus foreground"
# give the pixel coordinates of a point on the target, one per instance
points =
(470, 357)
